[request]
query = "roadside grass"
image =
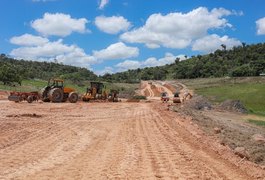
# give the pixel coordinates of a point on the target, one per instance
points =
(249, 90)
(257, 122)
(36, 85)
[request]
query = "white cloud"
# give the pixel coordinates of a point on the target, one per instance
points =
(177, 30)
(103, 3)
(213, 42)
(59, 24)
(116, 51)
(260, 26)
(106, 70)
(128, 64)
(150, 62)
(67, 54)
(112, 25)
(28, 40)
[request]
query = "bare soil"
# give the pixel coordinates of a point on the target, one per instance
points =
(123, 140)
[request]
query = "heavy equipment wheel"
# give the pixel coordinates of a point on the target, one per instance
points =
(73, 97)
(85, 99)
(30, 99)
(56, 95)
(43, 95)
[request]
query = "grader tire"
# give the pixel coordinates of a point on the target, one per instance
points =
(56, 95)
(73, 97)
(30, 99)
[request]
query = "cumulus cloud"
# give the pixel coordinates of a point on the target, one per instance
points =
(260, 26)
(106, 70)
(128, 64)
(150, 62)
(177, 30)
(67, 54)
(28, 40)
(213, 42)
(116, 51)
(59, 24)
(112, 25)
(103, 3)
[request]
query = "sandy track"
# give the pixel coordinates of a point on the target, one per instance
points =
(103, 140)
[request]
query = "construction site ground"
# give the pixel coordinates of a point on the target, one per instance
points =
(125, 140)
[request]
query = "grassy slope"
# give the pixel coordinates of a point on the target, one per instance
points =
(251, 91)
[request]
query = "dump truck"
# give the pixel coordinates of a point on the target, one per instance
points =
(97, 91)
(55, 91)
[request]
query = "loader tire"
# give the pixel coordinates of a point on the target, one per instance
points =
(44, 95)
(73, 97)
(56, 95)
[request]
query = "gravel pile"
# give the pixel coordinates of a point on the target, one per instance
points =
(233, 105)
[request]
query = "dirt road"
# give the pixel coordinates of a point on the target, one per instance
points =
(104, 140)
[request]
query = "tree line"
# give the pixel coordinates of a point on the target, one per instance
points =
(244, 60)
(14, 71)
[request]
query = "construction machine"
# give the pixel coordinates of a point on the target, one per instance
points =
(113, 96)
(56, 92)
(97, 91)
(176, 98)
(164, 97)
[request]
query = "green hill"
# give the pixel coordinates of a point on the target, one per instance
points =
(12, 70)
(245, 60)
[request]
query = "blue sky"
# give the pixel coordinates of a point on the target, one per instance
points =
(116, 35)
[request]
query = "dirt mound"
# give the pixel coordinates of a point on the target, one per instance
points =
(233, 105)
(198, 103)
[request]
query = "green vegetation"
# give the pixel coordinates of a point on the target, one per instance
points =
(250, 91)
(257, 122)
(245, 60)
(139, 97)
(14, 71)
(35, 85)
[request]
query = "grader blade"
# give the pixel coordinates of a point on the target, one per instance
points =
(14, 98)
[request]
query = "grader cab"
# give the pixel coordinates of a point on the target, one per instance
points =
(97, 91)
(56, 92)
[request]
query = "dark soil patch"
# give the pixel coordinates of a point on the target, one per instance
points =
(25, 115)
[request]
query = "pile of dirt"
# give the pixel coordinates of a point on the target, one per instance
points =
(233, 105)
(198, 103)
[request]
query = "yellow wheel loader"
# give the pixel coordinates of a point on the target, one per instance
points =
(56, 92)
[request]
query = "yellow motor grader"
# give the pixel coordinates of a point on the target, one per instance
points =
(56, 92)
(97, 91)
